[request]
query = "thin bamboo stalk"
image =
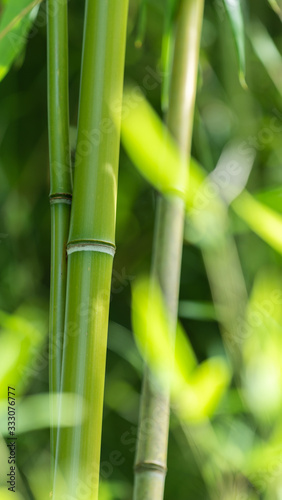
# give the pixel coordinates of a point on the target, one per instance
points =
(91, 245)
(60, 184)
(151, 456)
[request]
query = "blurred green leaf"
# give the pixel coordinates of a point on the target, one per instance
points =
(262, 349)
(271, 198)
(6, 495)
(203, 311)
(33, 412)
(267, 52)
(196, 390)
(15, 24)
(205, 389)
(235, 15)
(151, 328)
(263, 465)
(153, 150)
(114, 490)
(276, 7)
(261, 219)
(150, 146)
(20, 341)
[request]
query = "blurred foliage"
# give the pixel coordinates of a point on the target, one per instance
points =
(230, 293)
(15, 25)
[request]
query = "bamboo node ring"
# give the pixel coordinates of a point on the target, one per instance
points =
(91, 246)
(60, 198)
(152, 465)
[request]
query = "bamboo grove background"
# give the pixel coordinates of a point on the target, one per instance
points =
(237, 454)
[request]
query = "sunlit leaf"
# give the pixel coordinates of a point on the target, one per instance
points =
(6, 495)
(203, 311)
(261, 219)
(153, 150)
(15, 24)
(262, 348)
(148, 316)
(276, 7)
(196, 390)
(234, 11)
(267, 52)
(150, 146)
(263, 464)
(114, 489)
(272, 198)
(20, 341)
(205, 389)
(120, 396)
(33, 412)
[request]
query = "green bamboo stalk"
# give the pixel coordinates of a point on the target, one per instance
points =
(91, 245)
(60, 184)
(151, 455)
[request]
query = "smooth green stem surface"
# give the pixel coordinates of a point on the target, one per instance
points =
(58, 98)
(151, 456)
(91, 246)
(60, 184)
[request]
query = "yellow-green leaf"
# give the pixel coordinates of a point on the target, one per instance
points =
(15, 24)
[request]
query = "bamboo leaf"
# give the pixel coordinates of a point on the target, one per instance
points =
(15, 24)
(262, 348)
(33, 412)
(154, 336)
(150, 146)
(235, 15)
(20, 342)
(205, 389)
(155, 154)
(148, 316)
(267, 52)
(6, 495)
(153, 150)
(264, 221)
(196, 390)
(271, 198)
(276, 7)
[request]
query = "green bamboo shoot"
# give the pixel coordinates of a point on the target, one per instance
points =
(151, 456)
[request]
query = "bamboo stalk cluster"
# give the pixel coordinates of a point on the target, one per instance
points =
(83, 236)
(80, 283)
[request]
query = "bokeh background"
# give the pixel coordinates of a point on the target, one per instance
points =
(249, 430)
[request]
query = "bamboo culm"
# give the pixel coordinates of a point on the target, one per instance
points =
(60, 185)
(91, 246)
(151, 455)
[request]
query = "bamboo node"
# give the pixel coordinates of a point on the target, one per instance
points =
(91, 246)
(60, 198)
(152, 466)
